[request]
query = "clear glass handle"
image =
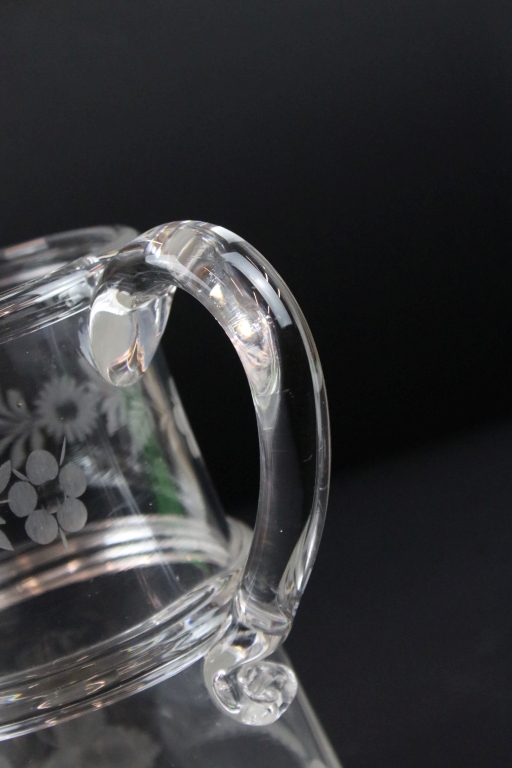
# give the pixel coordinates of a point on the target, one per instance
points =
(262, 319)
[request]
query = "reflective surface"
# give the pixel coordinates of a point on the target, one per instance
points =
(118, 565)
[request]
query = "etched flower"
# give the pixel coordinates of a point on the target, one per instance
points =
(5, 476)
(66, 409)
(49, 507)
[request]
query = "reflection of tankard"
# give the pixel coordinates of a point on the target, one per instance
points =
(174, 725)
(118, 569)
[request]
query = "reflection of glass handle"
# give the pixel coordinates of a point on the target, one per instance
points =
(262, 319)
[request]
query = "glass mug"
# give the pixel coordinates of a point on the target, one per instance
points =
(118, 568)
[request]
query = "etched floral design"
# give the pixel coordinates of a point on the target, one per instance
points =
(19, 431)
(89, 741)
(62, 409)
(5, 476)
(66, 409)
(47, 495)
(123, 409)
(92, 742)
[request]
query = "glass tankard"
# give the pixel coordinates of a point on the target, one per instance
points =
(118, 569)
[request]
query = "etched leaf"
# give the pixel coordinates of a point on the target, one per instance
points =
(140, 422)
(114, 409)
(4, 542)
(19, 452)
(5, 474)
(3, 410)
(36, 440)
(5, 442)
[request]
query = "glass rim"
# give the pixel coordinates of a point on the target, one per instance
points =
(47, 279)
(30, 260)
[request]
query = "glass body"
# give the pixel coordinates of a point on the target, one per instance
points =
(159, 729)
(117, 566)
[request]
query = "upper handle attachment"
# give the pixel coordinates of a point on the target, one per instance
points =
(262, 319)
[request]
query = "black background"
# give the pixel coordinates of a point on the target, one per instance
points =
(364, 147)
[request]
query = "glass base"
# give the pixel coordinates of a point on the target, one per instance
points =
(187, 575)
(175, 725)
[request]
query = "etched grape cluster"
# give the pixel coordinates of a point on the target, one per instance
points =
(47, 496)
